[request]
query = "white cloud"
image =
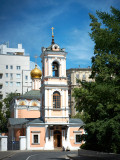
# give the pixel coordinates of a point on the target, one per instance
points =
(102, 5)
(81, 48)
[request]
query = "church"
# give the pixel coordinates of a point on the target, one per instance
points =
(40, 118)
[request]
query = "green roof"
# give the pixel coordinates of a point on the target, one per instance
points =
(32, 94)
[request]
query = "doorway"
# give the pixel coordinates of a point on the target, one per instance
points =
(57, 139)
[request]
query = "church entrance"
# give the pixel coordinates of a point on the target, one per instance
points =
(57, 139)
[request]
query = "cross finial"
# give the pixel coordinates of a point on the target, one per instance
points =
(52, 31)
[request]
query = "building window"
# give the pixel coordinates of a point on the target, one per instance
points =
(1, 75)
(18, 84)
(11, 76)
(1, 96)
(26, 77)
(6, 75)
(35, 139)
(77, 78)
(84, 77)
(11, 67)
(78, 138)
(17, 75)
(6, 66)
(11, 83)
(6, 83)
(56, 99)
(18, 67)
(55, 69)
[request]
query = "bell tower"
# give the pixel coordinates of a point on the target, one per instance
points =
(54, 88)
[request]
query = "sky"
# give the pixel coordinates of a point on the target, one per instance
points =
(30, 21)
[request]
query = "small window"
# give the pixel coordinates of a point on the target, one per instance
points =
(56, 100)
(18, 67)
(6, 83)
(11, 67)
(6, 66)
(84, 77)
(1, 76)
(11, 75)
(55, 47)
(17, 75)
(78, 138)
(77, 78)
(18, 84)
(35, 138)
(6, 75)
(11, 83)
(1, 96)
(26, 77)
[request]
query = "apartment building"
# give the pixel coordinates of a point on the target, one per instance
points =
(73, 74)
(14, 71)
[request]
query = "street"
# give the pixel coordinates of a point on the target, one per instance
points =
(41, 155)
(53, 155)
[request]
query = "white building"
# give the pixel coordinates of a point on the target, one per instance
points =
(14, 70)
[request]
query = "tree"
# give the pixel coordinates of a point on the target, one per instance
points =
(5, 111)
(100, 100)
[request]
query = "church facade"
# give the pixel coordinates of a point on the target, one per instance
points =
(40, 118)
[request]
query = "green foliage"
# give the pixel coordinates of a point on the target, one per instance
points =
(5, 113)
(79, 115)
(100, 100)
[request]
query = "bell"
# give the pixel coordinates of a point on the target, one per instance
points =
(55, 68)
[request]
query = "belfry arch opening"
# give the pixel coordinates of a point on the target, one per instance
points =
(55, 69)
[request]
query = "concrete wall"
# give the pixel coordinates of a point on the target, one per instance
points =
(3, 143)
(22, 142)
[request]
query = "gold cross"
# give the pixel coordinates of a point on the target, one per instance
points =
(52, 31)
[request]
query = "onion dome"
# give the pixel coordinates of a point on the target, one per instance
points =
(36, 73)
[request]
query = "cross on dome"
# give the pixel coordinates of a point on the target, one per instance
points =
(52, 32)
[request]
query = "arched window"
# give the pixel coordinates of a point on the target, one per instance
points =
(55, 69)
(56, 99)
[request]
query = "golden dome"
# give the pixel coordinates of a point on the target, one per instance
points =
(36, 73)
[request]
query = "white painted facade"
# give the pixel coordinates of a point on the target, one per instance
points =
(14, 71)
(52, 128)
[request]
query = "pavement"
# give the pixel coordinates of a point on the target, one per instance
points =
(93, 155)
(6, 154)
